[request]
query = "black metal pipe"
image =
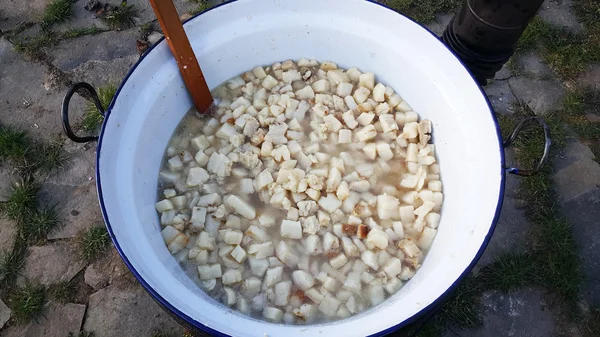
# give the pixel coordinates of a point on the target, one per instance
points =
(484, 34)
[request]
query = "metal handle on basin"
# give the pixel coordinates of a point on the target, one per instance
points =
(65, 111)
(547, 143)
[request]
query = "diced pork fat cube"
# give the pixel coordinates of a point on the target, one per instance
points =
(291, 229)
(366, 133)
(387, 207)
(220, 165)
(196, 176)
(409, 247)
(378, 238)
(209, 272)
(303, 280)
(241, 207)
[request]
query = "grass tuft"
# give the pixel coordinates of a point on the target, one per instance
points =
(423, 10)
(39, 223)
(27, 303)
(36, 46)
(94, 243)
(47, 157)
(18, 29)
(146, 29)
(22, 200)
(27, 155)
(13, 144)
(120, 17)
(554, 254)
(77, 32)
(202, 6)
(558, 255)
(567, 53)
(92, 118)
(460, 310)
(510, 271)
(57, 11)
(577, 104)
(11, 263)
(62, 292)
(588, 12)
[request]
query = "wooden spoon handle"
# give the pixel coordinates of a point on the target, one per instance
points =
(184, 55)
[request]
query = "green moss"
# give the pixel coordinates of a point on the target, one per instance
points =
(423, 10)
(92, 118)
(27, 303)
(94, 243)
(57, 11)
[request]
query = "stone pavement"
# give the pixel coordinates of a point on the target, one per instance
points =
(31, 91)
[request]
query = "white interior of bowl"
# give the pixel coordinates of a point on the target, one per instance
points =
(354, 33)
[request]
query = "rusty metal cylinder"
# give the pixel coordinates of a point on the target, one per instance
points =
(484, 34)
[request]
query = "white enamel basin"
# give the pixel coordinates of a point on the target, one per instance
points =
(238, 36)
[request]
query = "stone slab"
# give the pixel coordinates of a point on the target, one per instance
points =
(533, 65)
(52, 263)
(503, 74)
(542, 96)
(500, 96)
(12, 12)
(80, 168)
(510, 234)
(560, 13)
(577, 179)
(7, 177)
(145, 12)
(56, 320)
(99, 73)
(81, 19)
(573, 151)
(127, 311)
(591, 78)
(78, 208)
(520, 313)
(5, 313)
(26, 102)
(108, 270)
(584, 215)
(8, 233)
(107, 46)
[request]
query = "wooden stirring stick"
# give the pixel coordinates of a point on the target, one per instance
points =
(184, 55)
